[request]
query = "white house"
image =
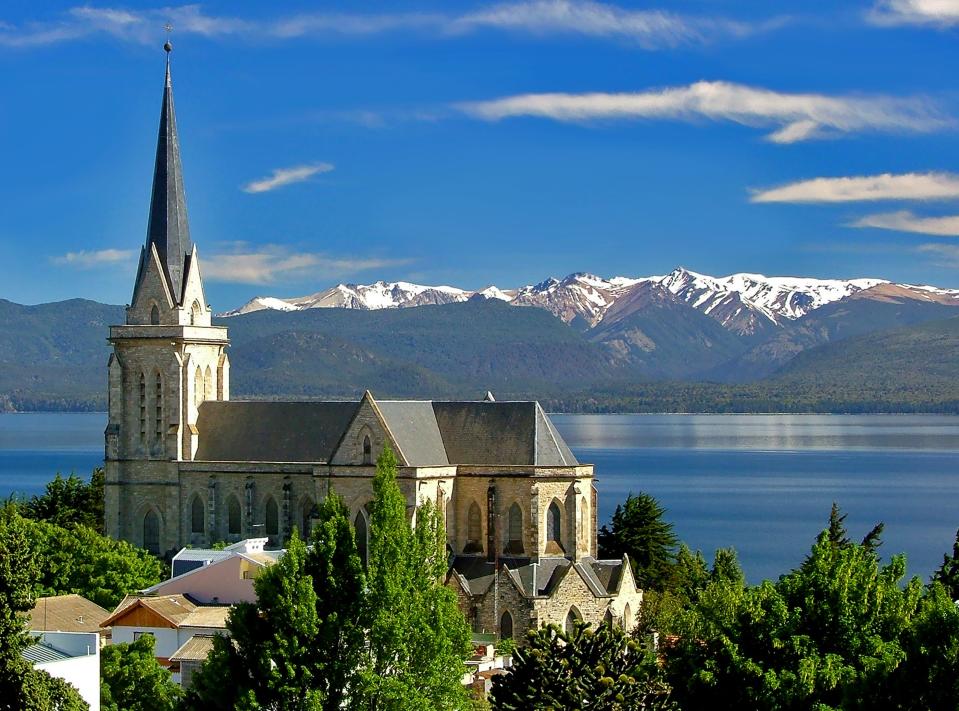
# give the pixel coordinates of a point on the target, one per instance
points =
(71, 656)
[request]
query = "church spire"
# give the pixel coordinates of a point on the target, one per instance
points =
(168, 229)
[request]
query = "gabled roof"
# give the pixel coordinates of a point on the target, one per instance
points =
(66, 613)
(168, 229)
(413, 426)
(172, 608)
(539, 579)
(237, 431)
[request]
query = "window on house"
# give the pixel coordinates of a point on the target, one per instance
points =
(233, 517)
(554, 520)
(158, 415)
(272, 518)
(367, 450)
(506, 626)
(198, 386)
(151, 532)
(515, 530)
(143, 408)
(474, 529)
(197, 516)
(362, 536)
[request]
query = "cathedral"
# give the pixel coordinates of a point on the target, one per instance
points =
(185, 465)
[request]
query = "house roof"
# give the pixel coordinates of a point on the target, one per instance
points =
(427, 433)
(172, 608)
(195, 649)
(213, 617)
(237, 431)
(540, 579)
(66, 613)
(413, 426)
(41, 653)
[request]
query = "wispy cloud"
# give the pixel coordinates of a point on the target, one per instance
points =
(268, 264)
(936, 13)
(943, 255)
(286, 176)
(90, 259)
(649, 29)
(798, 117)
(905, 186)
(906, 221)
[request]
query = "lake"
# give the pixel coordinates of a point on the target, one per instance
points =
(762, 484)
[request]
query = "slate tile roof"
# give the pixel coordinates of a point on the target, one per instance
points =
(428, 433)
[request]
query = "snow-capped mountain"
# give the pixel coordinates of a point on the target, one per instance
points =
(745, 304)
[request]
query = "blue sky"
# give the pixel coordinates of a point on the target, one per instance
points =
(477, 144)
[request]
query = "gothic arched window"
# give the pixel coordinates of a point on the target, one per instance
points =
(154, 316)
(307, 519)
(198, 386)
(506, 625)
(197, 515)
(554, 520)
(367, 450)
(151, 532)
(362, 536)
(272, 517)
(627, 618)
(158, 402)
(233, 516)
(515, 530)
(572, 617)
(143, 408)
(474, 529)
(195, 313)
(208, 384)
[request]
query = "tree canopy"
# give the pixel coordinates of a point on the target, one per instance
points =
(70, 500)
(131, 679)
(327, 634)
(639, 530)
(600, 670)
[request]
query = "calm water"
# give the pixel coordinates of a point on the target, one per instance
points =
(760, 483)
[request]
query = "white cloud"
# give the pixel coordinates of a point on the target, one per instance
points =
(906, 186)
(944, 255)
(798, 116)
(286, 176)
(268, 264)
(650, 29)
(906, 221)
(939, 13)
(89, 259)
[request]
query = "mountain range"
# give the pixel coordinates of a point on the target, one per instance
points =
(683, 341)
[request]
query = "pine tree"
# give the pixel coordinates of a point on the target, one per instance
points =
(639, 530)
(948, 572)
(418, 637)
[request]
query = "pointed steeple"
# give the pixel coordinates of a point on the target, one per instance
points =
(168, 228)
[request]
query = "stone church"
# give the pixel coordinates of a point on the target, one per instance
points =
(185, 465)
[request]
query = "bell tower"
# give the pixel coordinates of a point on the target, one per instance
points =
(167, 359)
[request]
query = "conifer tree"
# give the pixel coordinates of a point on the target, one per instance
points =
(639, 530)
(418, 637)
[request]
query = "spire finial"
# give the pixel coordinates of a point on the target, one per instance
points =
(168, 47)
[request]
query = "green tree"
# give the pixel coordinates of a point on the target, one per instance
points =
(70, 500)
(77, 559)
(639, 530)
(131, 679)
(601, 670)
(23, 688)
(272, 661)
(419, 640)
(827, 635)
(948, 572)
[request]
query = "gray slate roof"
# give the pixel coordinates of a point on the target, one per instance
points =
(168, 227)
(540, 579)
(413, 425)
(427, 433)
(271, 431)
